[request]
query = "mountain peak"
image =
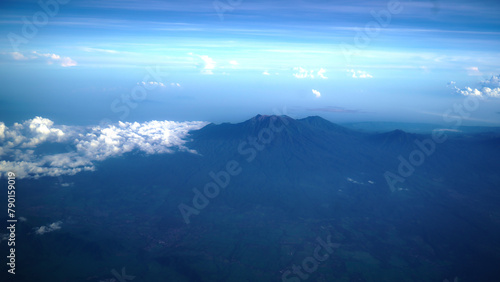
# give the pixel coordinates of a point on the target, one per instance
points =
(399, 134)
(395, 139)
(321, 123)
(260, 121)
(260, 117)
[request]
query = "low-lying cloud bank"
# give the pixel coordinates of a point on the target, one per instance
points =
(20, 144)
(487, 88)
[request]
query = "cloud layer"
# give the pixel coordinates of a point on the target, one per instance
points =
(360, 74)
(19, 144)
(487, 88)
(303, 73)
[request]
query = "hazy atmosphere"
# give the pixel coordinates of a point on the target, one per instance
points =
(242, 140)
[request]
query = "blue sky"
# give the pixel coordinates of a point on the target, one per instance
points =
(82, 62)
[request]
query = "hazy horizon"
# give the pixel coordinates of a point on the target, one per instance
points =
(410, 61)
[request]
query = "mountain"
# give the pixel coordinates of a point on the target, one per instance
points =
(254, 198)
(396, 140)
(421, 128)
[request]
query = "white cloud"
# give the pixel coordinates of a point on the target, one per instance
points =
(489, 88)
(84, 145)
(29, 134)
(316, 92)
(42, 130)
(18, 56)
(48, 228)
(353, 181)
(48, 55)
(152, 83)
(68, 62)
(493, 82)
(492, 92)
(467, 91)
(303, 73)
(265, 72)
(233, 63)
(484, 92)
(360, 74)
(50, 58)
(156, 83)
(473, 71)
(2, 130)
(208, 64)
(321, 73)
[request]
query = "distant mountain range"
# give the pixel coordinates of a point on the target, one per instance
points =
(254, 198)
(314, 142)
(374, 127)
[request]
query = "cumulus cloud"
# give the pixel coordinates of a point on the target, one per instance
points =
(208, 64)
(54, 58)
(84, 145)
(467, 91)
(321, 73)
(265, 72)
(303, 73)
(49, 58)
(29, 134)
(487, 88)
(316, 92)
(492, 82)
(359, 74)
(48, 228)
